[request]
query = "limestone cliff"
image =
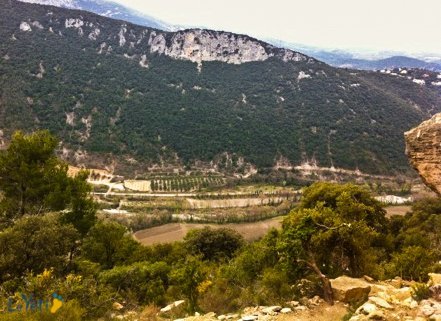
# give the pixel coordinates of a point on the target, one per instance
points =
(137, 42)
(423, 147)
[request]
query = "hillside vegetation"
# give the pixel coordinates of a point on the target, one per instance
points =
(115, 95)
(93, 266)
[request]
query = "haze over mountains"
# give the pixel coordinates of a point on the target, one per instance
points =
(119, 93)
(364, 60)
(109, 9)
(334, 57)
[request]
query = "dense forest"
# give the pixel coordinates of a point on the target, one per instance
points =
(51, 243)
(93, 92)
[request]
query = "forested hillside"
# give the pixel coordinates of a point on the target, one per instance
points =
(60, 262)
(119, 92)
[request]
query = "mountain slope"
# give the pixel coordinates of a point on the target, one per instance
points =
(121, 93)
(108, 9)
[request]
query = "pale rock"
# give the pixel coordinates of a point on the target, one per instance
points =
(272, 309)
(249, 317)
(94, 34)
(73, 23)
(435, 278)
(367, 308)
(143, 62)
(24, 26)
(222, 317)
(122, 38)
(368, 278)
(350, 290)
(316, 300)
(293, 303)
(426, 309)
(37, 24)
(232, 316)
(435, 317)
(166, 309)
(376, 315)
(403, 293)
(423, 150)
(396, 282)
(117, 306)
(410, 303)
(300, 308)
(377, 288)
(380, 302)
(172, 305)
(286, 310)
(435, 292)
(199, 45)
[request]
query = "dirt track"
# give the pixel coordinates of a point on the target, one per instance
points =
(176, 231)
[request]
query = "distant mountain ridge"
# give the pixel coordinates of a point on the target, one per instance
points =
(337, 58)
(347, 59)
(387, 63)
(124, 95)
(109, 9)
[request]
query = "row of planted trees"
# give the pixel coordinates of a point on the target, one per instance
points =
(51, 241)
(185, 184)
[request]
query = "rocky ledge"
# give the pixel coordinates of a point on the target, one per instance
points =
(391, 300)
(423, 147)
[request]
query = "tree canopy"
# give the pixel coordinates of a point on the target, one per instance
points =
(337, 229)
(33, 181)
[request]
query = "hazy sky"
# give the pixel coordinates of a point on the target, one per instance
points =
(409, 25)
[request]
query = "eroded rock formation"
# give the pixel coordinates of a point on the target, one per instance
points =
(423, 147)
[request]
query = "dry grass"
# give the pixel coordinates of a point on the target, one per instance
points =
(397, 210)
(176, 231)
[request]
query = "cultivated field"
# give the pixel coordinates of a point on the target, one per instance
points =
(397, 210)
(176, 231)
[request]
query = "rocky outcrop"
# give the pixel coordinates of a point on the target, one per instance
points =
(395, 300)
(350, 290)
(199, 45)
(137, 42)
(423, 147)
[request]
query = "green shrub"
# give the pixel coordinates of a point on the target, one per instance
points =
(420, 291)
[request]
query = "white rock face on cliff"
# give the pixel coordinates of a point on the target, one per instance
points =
(196, 45)
(200, 45)
(203, 45)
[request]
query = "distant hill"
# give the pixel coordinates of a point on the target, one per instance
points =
(388, 63)
(109, 9)
(127, 95)
(347, 59)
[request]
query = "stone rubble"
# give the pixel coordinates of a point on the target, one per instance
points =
(394, 300)
(386, 300)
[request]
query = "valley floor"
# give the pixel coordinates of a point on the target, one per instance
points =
(176, 231)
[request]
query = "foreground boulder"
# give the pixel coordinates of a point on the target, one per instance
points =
(350, 290)
(423, 147)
